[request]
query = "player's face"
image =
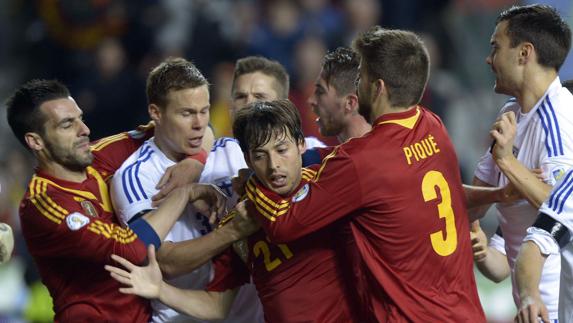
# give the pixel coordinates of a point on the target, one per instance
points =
(182, 122)
(66, 136)
(503, 60)
(364, 93)
(329, 107)
(278, 164)
(250, 88)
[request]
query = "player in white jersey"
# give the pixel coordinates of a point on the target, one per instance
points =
(179, 104)
(549, 236)
(534, 130)
(260, 79)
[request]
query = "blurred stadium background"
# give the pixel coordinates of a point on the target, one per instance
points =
(103, 50)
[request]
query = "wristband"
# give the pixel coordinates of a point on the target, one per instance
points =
(200, 156)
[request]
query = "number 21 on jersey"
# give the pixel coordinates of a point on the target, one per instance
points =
(271, 262)
(444, 242)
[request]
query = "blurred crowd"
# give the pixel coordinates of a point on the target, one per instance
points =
(103, 50)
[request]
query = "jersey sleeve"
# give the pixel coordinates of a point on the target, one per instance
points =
(331, 193)
(486, 170)
(110, 152)
(498, 243)
(131, 192)
(559, 205)
(55, 227)
(229, 270)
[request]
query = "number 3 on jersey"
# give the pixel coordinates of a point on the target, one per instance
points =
(443, 243)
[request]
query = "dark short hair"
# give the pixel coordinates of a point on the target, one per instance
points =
(23, 107)
(252, 64)
(397, 57)
(255, 124)
(173, 74)
(542, 26)
(340, 69)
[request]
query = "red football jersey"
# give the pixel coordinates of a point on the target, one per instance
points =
(399, 187)
(296, 282)
(71, 231)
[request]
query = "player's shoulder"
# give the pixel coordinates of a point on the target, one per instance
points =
(510, 104)
(46, 198)
(313, 142)
(142, 158)
(225, 143)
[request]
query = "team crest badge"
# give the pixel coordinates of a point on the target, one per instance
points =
(301, 194)
(89, 208)
(558, 173)
(76, 221)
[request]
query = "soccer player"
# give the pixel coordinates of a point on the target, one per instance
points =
(334, 100)
(260, 79)
(534, 129)
(297, 282)
(178, 97)
(66, 214)
(399, 188)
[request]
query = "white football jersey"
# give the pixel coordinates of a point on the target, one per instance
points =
(132, 187)
(559, 206)
(544, 140)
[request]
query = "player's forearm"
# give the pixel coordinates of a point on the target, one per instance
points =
(178, 258)
(197, 303)
(480, 196)
(530, 187)
(163, 218)
(494, 266)
(528, 268)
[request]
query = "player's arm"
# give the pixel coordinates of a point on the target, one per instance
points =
(490, 259)
(56, 227)
(147, 281)
(186, 171)
(333, 193)
(529, 266)
(524, 181)
(162, 218)
(177, 258)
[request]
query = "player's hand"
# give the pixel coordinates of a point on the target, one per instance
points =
(531, 309)
(6, 242)
(240, 181)
(242, 222)
(208, 199)
(479, 242)
(146, 127)
(144, 281)
(184, 172)
(503, 132)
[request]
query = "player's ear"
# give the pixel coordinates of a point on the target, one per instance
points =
(302, 146)
(351, 103)
(154, 112)
(34, 141)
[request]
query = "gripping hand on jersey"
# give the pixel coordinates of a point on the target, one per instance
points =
(503, 132)
(144, 281)
(209, 200)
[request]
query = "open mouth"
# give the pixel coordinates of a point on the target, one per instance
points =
(195, 142)
(278, 180)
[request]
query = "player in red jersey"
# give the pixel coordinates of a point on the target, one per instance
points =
(400, 188)
(297, 282)
(66, 215)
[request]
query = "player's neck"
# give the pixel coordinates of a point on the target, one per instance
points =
(534, 87)
(164, 147)
(357, 127)
(59, 171)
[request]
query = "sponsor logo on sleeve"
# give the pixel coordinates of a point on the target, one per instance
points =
(76, 221)
(558, 173)
(301, 194)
